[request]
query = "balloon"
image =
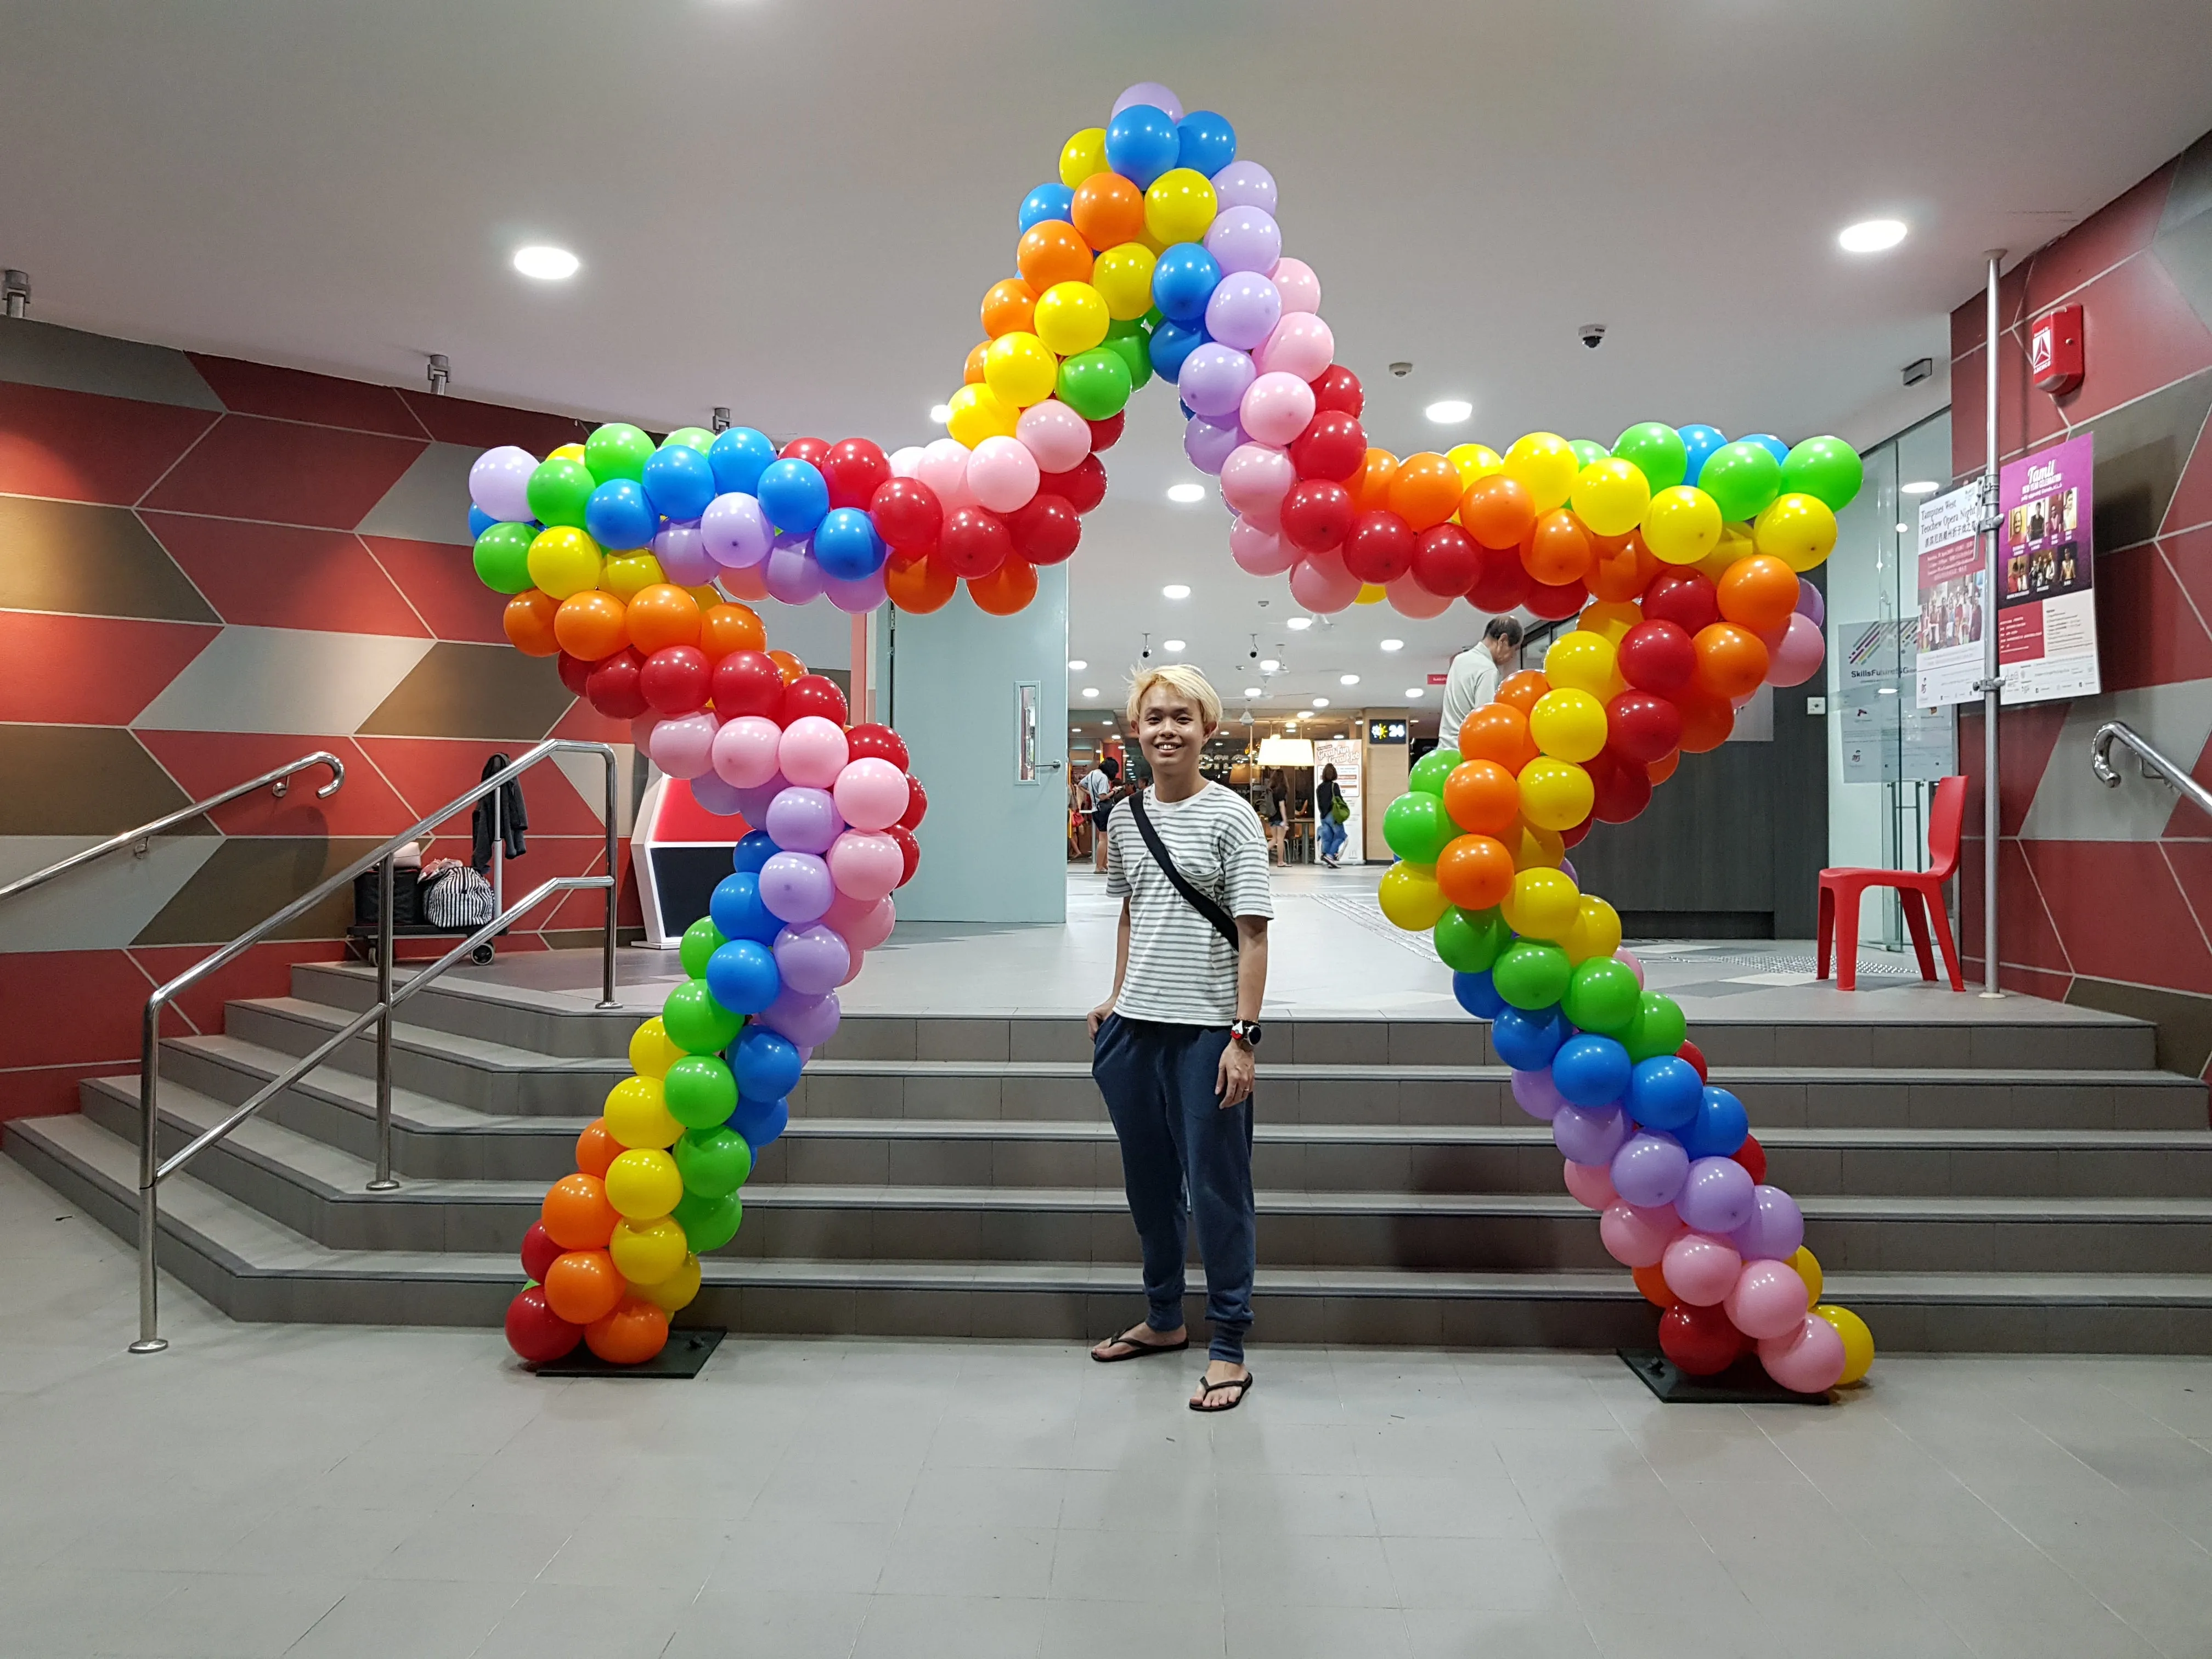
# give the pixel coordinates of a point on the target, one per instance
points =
(1525, 1040)
(1588, 1184)
(1544, 466)
(1768, 1299)
(1142, 142)
(1798, 657)
(1732, 661)
(1637, 1237)
(1656, 450)
(1082, 156)
(1798, 530)
(1588, 1135)
(1555, 795)
(1698, 1341)
(1759, 593)
(644, 1253)
(1682, 525)
(1741, 478)
(1810, 1359)
(812, 960)
(1474, 992)
(679, 482)
(1051, 201)
(1424, 490)
(1717, 1196)
(1773, 1228)
(1276, 408)
(1208, 142)
(1322, 585)
(1718, 1127)
(1243, 237)
(576, 1213)
(684, 748)
(1378, 547)
(1498, 732)
(767, 1067)
(1663, 1093)
(1700, 1269)
(1096, 383)
(807, 1020)
(630, 1333)
(1241, 311)
(1610, 496)
(865, 865)
(1858, 1342)
(1255, 475)
(1602, 996)
(1056, 437)
(1591, 1070)
(1536, 1095)
(1807, 1267)
(537, 1333)
(1568, 725)
(1109, 211)
(1827, 469)
(1300, 345)
(1178, 206)
(583, 1286)
(1647, 1171)
(1447, 560)
(1475, 872)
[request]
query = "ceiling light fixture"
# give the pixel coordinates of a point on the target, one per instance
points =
(1394, 645)
(1076, 664)
(1449, 411)
(1175, 645)
(1320, 702)
(1415, 693)
(1270, 665)
(1920, 487)
(546, 264)
(1187, 493)
(1090, 691)
(1870, 235)
(940, 413)
(1176, 591)
(1252, 692)
(1347, 679)
(1297, 624)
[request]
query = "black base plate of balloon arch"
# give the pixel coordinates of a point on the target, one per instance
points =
(687, 1350)
(1744, 1383)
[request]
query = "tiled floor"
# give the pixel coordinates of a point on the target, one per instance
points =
(313, 1491)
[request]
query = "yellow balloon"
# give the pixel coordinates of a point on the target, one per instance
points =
(1610, 496)
(1411, 899)
(643, 1185)
(1581, 659)
(1082, 156)
(566, 453)
(979, 413)
(563, 560)
(706, 596)
(1474, 461)
(1609, 620)
(651, 1053)
(1556, 794)
(1858, 1340)
(1681, 524)
(1568, 725)
(1534, 847)
(1071, 316)
(1179, 206)
(1370, 593)
(1542, 904)
(1596, 932)
(1019, 369)
(623, 576)
(1123, 277)
(1543, 465)
(647, 1252)
(1807, 1268)
(675, 1292)
(1734, 543)
(637, 1115)
(1798, 530)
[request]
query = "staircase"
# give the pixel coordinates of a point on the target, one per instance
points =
(2025, 1186)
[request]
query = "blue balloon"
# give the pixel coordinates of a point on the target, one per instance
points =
(479, 521)
(1591, 1070)
(1205, 142)
(742, 976)
(846, 544)
(1142, 143)
(737, 909)
(1772, 445)
(1046, 202)
(794, 495)
(1665, 1093)
(1700, 442)
(739, 455)
(749, 854)
(759, 1121)
(1478, 995)
(1527, 1042)
(1719, 1127)
(1170, 344)
(618, 517)
(679, 482)
(1184, 280)
(767, 1065)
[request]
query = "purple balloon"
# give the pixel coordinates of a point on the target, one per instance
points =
(1810, 605)
(1152, 93)
(856, 594)
(1567, 869)
(813, 959)
(796, 888)
(1245, 184)
(1213, 380)
(791, 574)
(1647, 1171)
(1243, 311)
(1537, 1095)
(802, 820)
(807, 1021)
(1775, 1228)
(1588, 1134)
(754, 802)
(722, 800)
(1716, 1195)
(735, 531)
(1244, 238)
(1209, 443)
(682, 551)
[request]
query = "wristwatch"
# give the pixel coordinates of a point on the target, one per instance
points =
(1246, 1031)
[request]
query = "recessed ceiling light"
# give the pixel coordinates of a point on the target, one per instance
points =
(1347, 679)
(1904, 529)
(1175, 591)
(1297, 622)
(1269, 665)
(1449, 411)
(1076, 664)
(1090, 691)
(1252, 692)
(1416, 692)
(547, 264)
(1320, 702)
(1174, 645)
(940, 413)
(1187, 493)
(1870, 235)
(1921, 487)
(1394, 645)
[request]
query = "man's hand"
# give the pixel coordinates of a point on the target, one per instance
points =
(1099, 1017)
(1232, 1081)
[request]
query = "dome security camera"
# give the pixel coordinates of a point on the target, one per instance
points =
(1592, 335)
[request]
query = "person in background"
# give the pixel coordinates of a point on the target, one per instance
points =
(1098, 784)
(1326, 796)
(1275, 815)
(1472, 681)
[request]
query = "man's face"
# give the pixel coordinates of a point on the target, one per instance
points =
(1500, 651)
(1169, 728)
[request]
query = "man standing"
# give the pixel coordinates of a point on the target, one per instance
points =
(1174, 1044)
(1472, 681)
(1098, 785)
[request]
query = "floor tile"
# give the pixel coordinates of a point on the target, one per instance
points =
(1262, 1630)
(949, 1627)
(1107, 1566)
(1305, 1572)
(605, 1622)
(768, 1624)
(382, 1618)
(977, 1561)
(802, 1556)
(1111, 1630)
(1321, 1504)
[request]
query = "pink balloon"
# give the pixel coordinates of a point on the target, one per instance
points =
(871, 793)
(1259, 552)
(1320, 582)
(1255, 475)
(855, 594)
(683, 554)
(1768, 1299)
(1590, 1185)
(1810, 1359)
(749, 583)
(1637, 1238)
(1300, 288)
(1409, 599)
(1264, 515)
(1793, 661)
(907, 463)
(867, 864)
(1003, 474)
(1058, 436)
(812, 751)
(865, 924)
(943, 468)
(684, 748)
(1276, 409)
(1701, 1269)
(640, 730)
(793, 576)
(1301, 344)
(1628, 959)
(745, 753)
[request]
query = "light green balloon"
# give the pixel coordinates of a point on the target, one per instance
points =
(1655, 450)
(617, 450)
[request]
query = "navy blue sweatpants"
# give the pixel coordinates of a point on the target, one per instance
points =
(1182, 1156)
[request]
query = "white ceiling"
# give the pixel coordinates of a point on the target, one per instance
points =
(793, 206)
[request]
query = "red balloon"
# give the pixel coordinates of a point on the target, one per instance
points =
(812, 694)
(1555, 604)
(917, 805)
(1624, 788)
(613, 687)
(1082, 486)
(870, 741)
(1643, 728)
(907, 515)
(677, 679)
(1334, 445)
(540, 1252)
(1379, 546)
(975, 543)
(1318, 516)
(810, 450)
(855, 468)
(1752, 1157)
(1105, 433)
(575, 673)
(1657, 657)
(1696, 1056)
(1338, 388)
(1446, 560)
(1683, 598)
(537, 1333)
(747, 683)
(1046, 529)
(1573, 834)
(1699, 1341)
(1502, 584)
(909, 848)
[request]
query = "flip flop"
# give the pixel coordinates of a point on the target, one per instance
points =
(1137, 1350)
(1242, 1384)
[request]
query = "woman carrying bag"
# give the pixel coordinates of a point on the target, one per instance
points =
(1331, 813)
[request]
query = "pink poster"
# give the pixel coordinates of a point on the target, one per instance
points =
(2046, 602)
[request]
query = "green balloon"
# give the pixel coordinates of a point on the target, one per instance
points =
(503, 558)
(696, 1023)
(1742, 478)
(1469, 942)
(617, 450)
(700, 1092)
(708, 1223)
(1655, 450)
(558, 490)
(1658, 1028)
(1530, 974)
(1096, 383)
(1131, 342)
(1602, 996)
(701, 940)
(1418, 828)
(1587, 450)
(1431, 771)
(696, 436)
(1827, 469)
(713, 1163)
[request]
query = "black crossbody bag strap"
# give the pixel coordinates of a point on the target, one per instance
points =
(1223, 923)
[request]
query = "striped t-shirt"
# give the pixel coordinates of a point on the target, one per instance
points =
(1181, 970)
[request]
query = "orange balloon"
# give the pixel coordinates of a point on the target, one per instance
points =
(1007, 589)
(1424, 490)
(528, 620)
(1498, 732)
(1371, 485)
(1558, 551)
(1109, 211)
(972, 374)
(788, 666)
(1524, 690)
(1481, 796)
(582, 1286)
(919, 586)
(660, 616)
(1660, 770)
(726, 627)
(590, 624)
(1706, 721)
(1009, 309)
(595, 1150)
(1497, 511)
(1475, 871)
(1653, 1284)
(1622, 568)
(630, 1333)
(1731, 661)
(1053, 251)
(576, 1213)
(1759, 593)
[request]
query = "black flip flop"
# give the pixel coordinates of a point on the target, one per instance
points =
(1137, 1350)
(1242, 1384)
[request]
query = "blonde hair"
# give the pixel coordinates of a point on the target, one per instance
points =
(1182, 677)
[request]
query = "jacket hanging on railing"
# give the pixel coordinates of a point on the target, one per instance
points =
(512, 820)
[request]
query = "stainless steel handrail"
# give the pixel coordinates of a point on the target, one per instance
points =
(2155, 765)
(152, 1171)
(278, 782)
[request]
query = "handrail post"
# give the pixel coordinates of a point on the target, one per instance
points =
(607, 946)
(150, 1340)
(384, 1182)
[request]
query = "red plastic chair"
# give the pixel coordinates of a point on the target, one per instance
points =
(1917, 891)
